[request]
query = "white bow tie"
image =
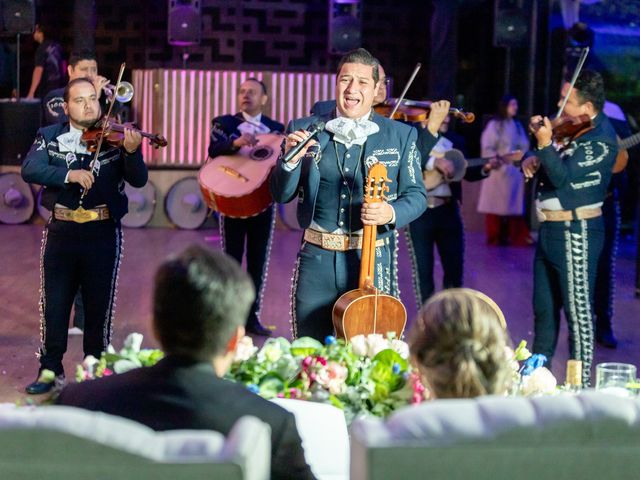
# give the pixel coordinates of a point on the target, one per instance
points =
(70, 142)
(349, 131)
(253, 128)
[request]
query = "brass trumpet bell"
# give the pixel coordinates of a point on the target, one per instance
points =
(123, 94)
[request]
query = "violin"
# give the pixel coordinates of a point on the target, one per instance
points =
(114, 135)
(566, 129)
(416, 111)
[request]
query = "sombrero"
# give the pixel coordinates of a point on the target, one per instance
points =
(184, 204)
(142, 204)
(16, 199)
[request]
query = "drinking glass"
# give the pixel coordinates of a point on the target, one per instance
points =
(614, 378)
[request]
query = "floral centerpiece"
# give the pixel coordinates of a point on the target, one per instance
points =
(530, 377)
(368, 375)
(129, 357)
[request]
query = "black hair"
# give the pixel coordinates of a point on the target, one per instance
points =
(79, 56)
(254, 79)
(73, 82)
(200, 299)
(590, 88)
(363, 57)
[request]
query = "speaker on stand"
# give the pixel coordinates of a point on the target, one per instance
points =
(345, 26)
(18, 17)
(510, 30)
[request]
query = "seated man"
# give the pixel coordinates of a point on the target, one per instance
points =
(201, 303)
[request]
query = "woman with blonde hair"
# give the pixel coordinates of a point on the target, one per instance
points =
(458, 345)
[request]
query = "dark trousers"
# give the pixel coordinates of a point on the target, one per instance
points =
(564, 271)
(256, 233)
(440, 228)
(606, 276)
(322, 276)
(78, 255)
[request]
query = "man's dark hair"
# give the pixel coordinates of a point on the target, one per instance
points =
(363, 57)
(262, 84)
(73, 82)
(79, 56)
(590, 88)
(201, 297)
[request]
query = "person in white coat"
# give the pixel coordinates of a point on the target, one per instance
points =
(502, 194)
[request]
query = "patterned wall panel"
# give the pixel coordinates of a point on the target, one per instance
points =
(180, 104)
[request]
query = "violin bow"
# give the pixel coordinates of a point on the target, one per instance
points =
(406, 87)
(105, 126)
(581, 60)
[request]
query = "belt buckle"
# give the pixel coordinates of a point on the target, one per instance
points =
(332, 242)
(80, 215)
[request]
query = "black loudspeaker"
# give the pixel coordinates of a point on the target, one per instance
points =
(18, 16)
(345, 25)
(510, 24)
(16, 137)
(185, 22)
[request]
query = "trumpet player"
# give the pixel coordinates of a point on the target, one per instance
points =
(81, 64)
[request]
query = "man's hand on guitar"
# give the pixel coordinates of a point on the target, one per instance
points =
(378, 213)
(293, 139)
(530, 166)
(492, 164)
(244, 140)
(444, 166)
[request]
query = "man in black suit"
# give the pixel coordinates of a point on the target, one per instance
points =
(229, 133)
(82, 242)
(201, 301)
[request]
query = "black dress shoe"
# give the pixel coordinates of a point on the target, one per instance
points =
(257, 328)
(607, 340)
(44, 385)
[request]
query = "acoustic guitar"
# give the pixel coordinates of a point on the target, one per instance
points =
(237, 185)
(366, 310)
(623, 156)
(433, 178)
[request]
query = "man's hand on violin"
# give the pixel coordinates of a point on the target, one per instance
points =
(83, 177)
(444, 166)
(379, 213)
(439, 111)
(530, 166)
(244, 140)
(132, 140)
(293, 139)
(541, 128)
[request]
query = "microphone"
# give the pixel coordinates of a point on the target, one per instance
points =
(313, 130)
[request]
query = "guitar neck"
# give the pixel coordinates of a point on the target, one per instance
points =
(367, 262)
(629, 142)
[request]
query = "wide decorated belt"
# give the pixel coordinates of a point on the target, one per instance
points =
(336, 241)
(81, 215)
(568, 215)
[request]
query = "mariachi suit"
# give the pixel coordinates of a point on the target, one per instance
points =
(257, 231)
(74, 255)
(567, 252)
(329, 187)
(439, 226)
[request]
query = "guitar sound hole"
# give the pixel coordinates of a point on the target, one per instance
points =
(262, 153)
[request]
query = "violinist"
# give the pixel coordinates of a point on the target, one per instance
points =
(82, 241)
(572, 186)
(441, 226)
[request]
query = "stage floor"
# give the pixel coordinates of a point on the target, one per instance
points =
(503, 273)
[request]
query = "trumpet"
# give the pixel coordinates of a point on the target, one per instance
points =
(123, 94)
